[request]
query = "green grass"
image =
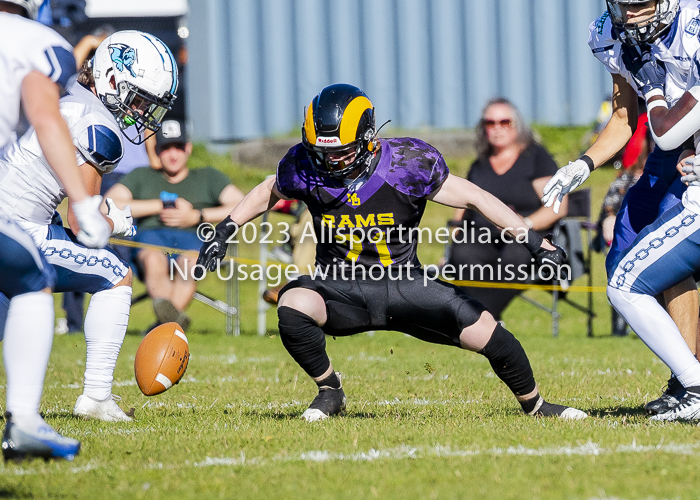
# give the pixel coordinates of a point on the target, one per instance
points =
(423, 421)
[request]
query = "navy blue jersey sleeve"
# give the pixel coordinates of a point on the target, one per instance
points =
(101, 146)
(61, 63)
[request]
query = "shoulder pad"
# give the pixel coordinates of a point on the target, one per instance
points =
(102, 146)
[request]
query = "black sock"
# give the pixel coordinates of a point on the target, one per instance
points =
(332, 381)
(304, 340)
(530, 404)
(509, 361)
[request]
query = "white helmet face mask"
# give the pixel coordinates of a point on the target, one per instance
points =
(31, 6)
(136, 79)
(636, 33)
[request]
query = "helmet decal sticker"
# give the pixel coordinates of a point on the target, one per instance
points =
(123, 57)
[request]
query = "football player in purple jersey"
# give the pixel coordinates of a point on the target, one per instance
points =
(367, 196)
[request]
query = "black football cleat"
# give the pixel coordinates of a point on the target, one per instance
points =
(670, 398)
(329, 402)
(545, 409)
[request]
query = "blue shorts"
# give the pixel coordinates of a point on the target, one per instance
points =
(23, 268)
(663, 254)
(171, 238)
(658, 189)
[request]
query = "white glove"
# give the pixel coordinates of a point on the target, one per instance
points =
(563, 182)
(123, 221)
(692, 172)
(94, 228)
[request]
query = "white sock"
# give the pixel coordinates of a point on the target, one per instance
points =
(657, 330)
(26, 351)
(105, 326)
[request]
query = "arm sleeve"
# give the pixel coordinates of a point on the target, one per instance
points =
(61, 64)
(690, 123)
(51, 55)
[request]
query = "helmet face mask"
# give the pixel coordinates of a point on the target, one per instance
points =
(138, 108)
(136, 79)
(339, 131)
(646, 31)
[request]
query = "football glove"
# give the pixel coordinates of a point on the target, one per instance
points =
(648, 73)
(122, 219)
(214, 249)
(692, 172)
(550, 258)
(563, 182)
(94, 228)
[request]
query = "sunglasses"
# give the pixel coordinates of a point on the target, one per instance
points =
(507, 122)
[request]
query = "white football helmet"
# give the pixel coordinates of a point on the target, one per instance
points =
(645, 31)
(136, 79)
(31, 6)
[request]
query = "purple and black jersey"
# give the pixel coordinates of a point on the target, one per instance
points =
(377, 223)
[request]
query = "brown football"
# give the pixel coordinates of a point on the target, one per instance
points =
(161, 359)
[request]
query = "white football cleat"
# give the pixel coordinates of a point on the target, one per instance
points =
(107, 411)
(313, 415)
(573, 414)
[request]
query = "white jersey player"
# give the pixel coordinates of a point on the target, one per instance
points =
(667, 30)
(668, 250)
(131, 81)
(34, 63)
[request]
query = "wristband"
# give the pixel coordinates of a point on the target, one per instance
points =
(587, 160)
(533, 241)
(656, 91)
(659, 103)
(201, 216)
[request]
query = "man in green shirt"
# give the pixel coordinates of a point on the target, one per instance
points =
(168, 206)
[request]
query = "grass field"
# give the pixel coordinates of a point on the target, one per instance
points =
(423, 421)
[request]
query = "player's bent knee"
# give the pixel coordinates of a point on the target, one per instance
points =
(306, 301)
(475, 337)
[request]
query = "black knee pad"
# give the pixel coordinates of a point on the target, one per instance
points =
(304, 340)
(509, 361)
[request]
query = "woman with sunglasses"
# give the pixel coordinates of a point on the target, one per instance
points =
(514, 168)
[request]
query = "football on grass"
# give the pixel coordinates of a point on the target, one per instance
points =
(161, 359)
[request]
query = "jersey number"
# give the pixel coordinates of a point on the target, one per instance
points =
(377, 240)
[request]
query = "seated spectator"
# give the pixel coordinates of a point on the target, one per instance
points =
(514, 168)
(168, 205)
